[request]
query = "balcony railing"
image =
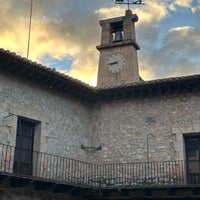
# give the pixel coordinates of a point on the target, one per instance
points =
(59, 169)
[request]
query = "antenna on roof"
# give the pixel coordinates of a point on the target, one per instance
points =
(129, 2)
(29, 31)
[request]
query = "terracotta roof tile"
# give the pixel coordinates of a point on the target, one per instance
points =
(152, 82)
(43, 68)
(85, 89)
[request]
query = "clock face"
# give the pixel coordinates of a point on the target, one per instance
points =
(115, 62)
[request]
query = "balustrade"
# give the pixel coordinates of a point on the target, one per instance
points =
(115, 175)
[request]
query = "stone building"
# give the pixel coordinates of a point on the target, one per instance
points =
(125, 139)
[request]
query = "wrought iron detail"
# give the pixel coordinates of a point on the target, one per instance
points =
(129, 2)
(113, 175)
(91, 148)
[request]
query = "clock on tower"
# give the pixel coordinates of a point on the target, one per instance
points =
(118, 62)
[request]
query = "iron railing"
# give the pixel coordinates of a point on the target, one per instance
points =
(59, 169)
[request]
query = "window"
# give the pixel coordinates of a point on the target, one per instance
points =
(117, 31)
(192, 145)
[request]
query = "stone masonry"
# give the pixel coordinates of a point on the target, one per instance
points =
(61, 123)
(121, 127)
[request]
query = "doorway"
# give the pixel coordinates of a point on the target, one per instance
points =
(192, 146)
(23, 156)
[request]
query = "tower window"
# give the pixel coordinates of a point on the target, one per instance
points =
(117, 31)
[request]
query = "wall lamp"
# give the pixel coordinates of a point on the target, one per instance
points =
(91, 148)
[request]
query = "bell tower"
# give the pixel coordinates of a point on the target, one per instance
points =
(118, 63)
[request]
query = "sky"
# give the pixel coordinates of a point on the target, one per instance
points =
(65, 33)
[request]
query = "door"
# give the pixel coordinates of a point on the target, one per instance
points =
(192, 145)
(23, 156)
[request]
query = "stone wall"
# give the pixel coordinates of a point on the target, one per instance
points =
(61, 122)
(124, 127)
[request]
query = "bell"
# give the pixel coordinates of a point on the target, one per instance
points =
(118, 35)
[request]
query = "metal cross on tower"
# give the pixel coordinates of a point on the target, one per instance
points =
(128, 2)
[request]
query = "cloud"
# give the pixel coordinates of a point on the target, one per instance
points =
(106, 13)
(70, 30)
(179, 54)
(166, 53)
(183, 3)
(184, 40)
(149, 21)
(53, 34)
(179, 3)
